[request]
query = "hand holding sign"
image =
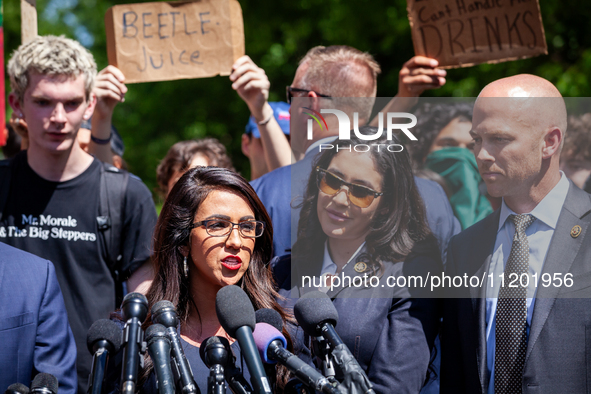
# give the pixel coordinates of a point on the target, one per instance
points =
(109, 89)
(419, 74)
(252, 85)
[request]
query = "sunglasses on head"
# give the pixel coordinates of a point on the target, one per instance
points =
(329, 183)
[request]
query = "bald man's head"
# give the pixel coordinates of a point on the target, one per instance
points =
(518, 127)
(539, 97)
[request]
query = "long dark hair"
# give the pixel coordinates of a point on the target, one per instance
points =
(173, 231)
(400, 222)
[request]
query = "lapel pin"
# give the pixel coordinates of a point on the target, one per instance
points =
(575, 231)
(360, 267)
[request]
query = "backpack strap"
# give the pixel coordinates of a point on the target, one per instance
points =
(113, 186)
(5, 178)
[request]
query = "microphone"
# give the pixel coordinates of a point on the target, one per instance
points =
(269, 316)
(236, 315)
(103, 339)
(272, 317)
(215, 356)
(164, 312)
(135, 309)
(159, 350)
(17, 388)
(210, 352)
(44, 383)
(271, 346)
(317, 315)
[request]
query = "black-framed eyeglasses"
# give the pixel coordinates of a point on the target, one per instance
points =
(221, 227)
(329, 183)
(289, 93)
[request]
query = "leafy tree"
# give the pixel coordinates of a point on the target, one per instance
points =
(278, 34)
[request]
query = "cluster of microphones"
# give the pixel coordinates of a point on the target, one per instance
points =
(259, 335)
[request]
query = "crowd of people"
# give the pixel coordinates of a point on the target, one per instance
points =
(491, 186)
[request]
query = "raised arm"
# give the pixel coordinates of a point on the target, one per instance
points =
(252, 85)
(110, 90)
(417, 75)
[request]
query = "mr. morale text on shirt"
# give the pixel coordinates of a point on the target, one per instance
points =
(46, 226)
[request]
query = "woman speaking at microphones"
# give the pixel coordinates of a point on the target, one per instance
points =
(213, 231)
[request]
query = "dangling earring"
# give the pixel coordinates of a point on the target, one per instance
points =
(185, 267)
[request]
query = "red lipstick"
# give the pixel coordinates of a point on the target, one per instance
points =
(232, 262)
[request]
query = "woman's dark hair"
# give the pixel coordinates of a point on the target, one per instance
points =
(181, 154)
(173, 230)
(431, 119)
(399, 223)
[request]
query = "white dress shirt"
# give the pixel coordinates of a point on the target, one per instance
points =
(539, 235)
(329, 267)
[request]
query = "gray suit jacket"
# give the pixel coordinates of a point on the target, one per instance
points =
(558, 358)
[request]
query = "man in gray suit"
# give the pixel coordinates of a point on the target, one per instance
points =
(534, 337)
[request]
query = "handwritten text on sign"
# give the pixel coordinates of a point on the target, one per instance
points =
(467, 32)
(167, 41)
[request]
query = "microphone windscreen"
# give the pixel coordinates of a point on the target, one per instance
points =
(269, 316)
(312, 309)
(17, 388)
(155, 331)
(234, 309)
(263, 335)
(45, 380)
(161, 306)
(164, 312)
(104, 329)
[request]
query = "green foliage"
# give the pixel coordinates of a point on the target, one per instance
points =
(278, 34)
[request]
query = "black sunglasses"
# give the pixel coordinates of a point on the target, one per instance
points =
(289, 93)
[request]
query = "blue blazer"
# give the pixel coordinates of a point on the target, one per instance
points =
(282, 190)
(389, 330)
(34, 332)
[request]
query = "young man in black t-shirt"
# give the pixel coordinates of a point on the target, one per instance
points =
(53, 199)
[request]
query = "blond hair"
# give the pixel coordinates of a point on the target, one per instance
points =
(52, 56)
(340, 71)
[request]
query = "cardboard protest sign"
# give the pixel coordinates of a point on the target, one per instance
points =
(460, 33)
(174, 40)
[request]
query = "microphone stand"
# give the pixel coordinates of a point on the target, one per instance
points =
(215, 381)
(321, 349)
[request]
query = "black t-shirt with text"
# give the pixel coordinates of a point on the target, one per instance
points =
(57, 221)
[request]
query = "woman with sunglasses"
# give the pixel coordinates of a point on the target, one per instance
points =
(213, 231)
(362, 225)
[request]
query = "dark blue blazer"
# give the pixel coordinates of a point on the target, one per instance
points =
(389, 330)
(282, 190)
(34, 332)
